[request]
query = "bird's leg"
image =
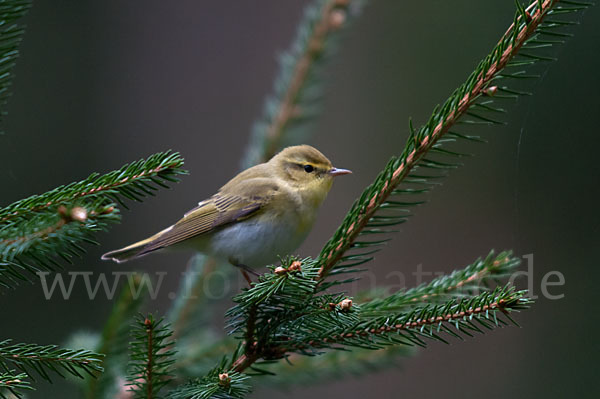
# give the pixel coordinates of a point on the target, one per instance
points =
(245, 270)
(247, 277)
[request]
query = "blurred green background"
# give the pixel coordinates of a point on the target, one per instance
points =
(100, 84)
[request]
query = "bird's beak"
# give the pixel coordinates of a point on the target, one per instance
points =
(338, 172)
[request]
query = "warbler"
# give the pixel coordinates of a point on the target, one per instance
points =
(264, 211)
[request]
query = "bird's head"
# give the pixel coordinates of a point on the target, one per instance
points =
(306, 169)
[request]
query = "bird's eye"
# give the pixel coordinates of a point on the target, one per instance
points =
(308, 168)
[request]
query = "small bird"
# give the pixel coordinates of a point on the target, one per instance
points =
(265, 211)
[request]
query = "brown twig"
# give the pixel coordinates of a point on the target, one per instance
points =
(409, 163)
(149, 364)
(251, 350)
(44, 233)
(250, 326)
(244, 361)
(499, 305)
(77, 214)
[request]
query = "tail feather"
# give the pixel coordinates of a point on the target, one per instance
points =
(134, 250)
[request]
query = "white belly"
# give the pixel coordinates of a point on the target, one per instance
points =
(253, 243)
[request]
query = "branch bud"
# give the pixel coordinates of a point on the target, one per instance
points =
(337, 19)
(224, 379)
(280, 271)
(79, 213)
(491, 91)
(346, 304)
(296, 266)
(63, 212)
(108, 210)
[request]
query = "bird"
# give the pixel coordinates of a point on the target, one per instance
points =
(264, 212)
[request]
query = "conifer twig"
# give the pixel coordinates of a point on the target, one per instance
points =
(458, 283)
(318, 321)
(42, 358)
(423, 142)
(367, 329)
(132, 181)
(456, 314)
(74, 215)
(12, 383)
(11, 34)
(149, 372)
(151, 358)
(36, 230)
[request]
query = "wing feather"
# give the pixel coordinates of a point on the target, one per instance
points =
(219, 210)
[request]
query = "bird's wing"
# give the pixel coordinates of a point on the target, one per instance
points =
(219, 210)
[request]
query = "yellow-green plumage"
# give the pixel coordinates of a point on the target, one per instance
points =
(264, 211)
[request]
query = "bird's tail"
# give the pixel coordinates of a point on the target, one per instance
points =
(135, 250)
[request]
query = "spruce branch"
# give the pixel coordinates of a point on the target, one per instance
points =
(471, 103)
(32, 244)
(286, 314)
(300, 320)
(35, 230)
(297, 88)
(466, 316)
(11, 384)
(11, 34)
(45, 358)
(132, 181)
(458, 284)
(151, 359)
